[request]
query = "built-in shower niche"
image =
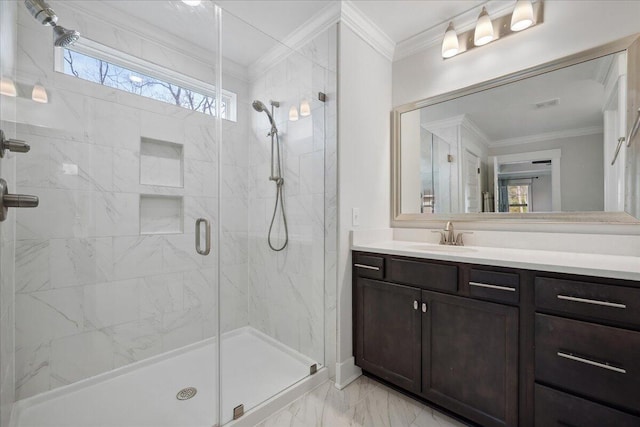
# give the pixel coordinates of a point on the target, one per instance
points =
(161, 163)
(161, 214)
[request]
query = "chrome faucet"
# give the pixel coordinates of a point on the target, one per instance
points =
(449, 237)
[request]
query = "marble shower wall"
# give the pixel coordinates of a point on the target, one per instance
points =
(92, 293)
(287, 289)
(8, 48)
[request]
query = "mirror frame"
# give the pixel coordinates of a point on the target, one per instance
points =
(398, 219)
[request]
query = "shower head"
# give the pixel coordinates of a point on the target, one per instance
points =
(65, 37)
(41, 11)
(260, 107)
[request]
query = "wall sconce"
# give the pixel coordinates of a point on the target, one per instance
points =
(7, 87)
(525, 15)
(293, 113)
(305, 108)
(39, 94)
(450, 43)
(483, 33)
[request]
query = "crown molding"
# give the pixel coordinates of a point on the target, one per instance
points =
(472, 127)
(366, 29)
(304, 34)
(463, 22)
(547, 136)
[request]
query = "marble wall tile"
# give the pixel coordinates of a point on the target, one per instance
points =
(33, 369)
(74, 262)
(32, 265)
(134, 341)
(102, 131)
(137, 256)
(161, 294)
(181, 328)
(116, 214)
(46, 315)
(69, 213)
(111, 303)
(80, 356)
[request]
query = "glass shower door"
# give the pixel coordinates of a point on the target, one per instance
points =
(272, 215)
(116, 312)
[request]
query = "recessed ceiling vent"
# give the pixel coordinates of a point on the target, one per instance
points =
(547, 104)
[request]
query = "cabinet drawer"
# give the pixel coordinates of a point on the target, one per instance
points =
(427, 275)
(555, 408)
(591, 301)
(369, 266)
(599, 362)
(494, 285)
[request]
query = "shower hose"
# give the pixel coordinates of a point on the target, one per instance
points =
(279, 197)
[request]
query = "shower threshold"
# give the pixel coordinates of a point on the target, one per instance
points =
(257, 372)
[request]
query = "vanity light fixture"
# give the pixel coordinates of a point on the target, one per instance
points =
(192, 2)
(522, 17)
(305, 108)
(450, 42)
(39, 94)
(484, 29)
(526, 14)
(7, 87)
(293, 114)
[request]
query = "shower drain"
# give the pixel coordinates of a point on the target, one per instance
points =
(186, 393)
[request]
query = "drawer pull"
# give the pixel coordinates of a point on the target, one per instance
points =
(368, 267)
(486, 285)
(592, 301)
(591, 362)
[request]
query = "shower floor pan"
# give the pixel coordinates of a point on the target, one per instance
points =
(255, 368)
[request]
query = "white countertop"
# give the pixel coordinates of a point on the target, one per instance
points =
(614, 266)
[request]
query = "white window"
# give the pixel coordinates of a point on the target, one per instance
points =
(100, 64)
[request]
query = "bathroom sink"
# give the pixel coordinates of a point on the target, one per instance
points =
(441, 248)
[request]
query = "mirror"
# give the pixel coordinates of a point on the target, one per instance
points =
(537, 145)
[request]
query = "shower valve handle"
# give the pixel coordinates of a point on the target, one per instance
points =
(14, 200)
(12, 145)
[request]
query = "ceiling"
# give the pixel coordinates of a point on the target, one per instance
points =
(252, 27)
(401, 19)
(510, 111)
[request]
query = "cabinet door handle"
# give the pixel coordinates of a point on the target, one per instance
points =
(415, 305)
(368, 267)
(591, 362)
(486, 285)
(592, 301)
(424, 307)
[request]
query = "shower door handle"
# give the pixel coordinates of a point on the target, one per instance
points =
(207, 241)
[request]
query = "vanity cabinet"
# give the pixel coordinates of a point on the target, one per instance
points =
(501, 346)
(470, 357)
(412, 331)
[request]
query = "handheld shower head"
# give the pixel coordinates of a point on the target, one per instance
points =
(260, 107)
(65, 37)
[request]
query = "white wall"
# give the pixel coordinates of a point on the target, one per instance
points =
(364, 103)
(581, 170)
(569, 27)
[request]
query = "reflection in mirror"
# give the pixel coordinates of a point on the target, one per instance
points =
(541, 144)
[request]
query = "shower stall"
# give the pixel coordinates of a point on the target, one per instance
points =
(174, 270)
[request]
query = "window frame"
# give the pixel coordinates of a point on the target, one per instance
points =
(137, 65)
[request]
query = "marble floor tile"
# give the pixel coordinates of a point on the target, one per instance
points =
(363, 403)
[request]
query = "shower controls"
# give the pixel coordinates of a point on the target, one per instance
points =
(12, 145)
(207, 231)
(14, 200)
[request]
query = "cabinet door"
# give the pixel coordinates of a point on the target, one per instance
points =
(470, 358)
(387, 331)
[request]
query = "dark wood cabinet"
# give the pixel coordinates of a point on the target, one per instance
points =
(501, 346)
(470, 358)
(388, 331)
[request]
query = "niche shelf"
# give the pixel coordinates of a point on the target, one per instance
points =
(161, 214)
(161, 163)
